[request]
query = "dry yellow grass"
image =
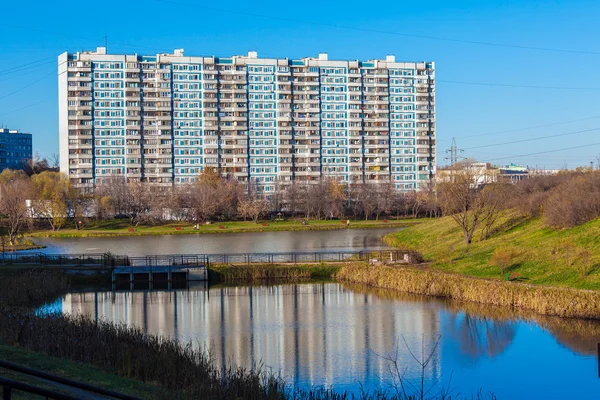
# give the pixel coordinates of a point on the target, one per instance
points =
(563, 302)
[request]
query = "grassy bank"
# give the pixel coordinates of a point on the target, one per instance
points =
(261, 273)
(562, 302)
(20, 245)
(122, 227)
(539, 255)
(76, 371)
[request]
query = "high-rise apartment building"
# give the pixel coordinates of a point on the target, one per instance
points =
(164, 118)
(15, 149)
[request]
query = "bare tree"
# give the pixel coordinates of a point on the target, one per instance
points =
(291, 197)
(493, 197)
(205, 201)
(385, 198)
(365, 199)
(77, 202)
(15, 189)
(460, 199)
(179, 205)
(315, 200)
(335, 198)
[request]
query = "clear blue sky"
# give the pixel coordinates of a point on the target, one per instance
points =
(40, 30)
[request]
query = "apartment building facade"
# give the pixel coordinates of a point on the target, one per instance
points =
(15, 149)
(163, 119)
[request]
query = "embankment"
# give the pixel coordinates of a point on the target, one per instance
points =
(562, 302)
(538, 254)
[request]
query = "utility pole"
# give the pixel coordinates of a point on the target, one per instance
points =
(453, 151)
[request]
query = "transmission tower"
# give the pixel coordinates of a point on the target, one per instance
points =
(454, 153)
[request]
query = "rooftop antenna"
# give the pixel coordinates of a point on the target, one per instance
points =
(106, 43)
(453, 151)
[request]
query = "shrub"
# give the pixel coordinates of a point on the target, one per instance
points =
(503, 258)
(584, 263)
(574, 202)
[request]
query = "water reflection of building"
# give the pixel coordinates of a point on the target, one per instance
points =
(314, 334)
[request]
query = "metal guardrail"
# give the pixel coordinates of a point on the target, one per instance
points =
(78, 260)
(9, 385)
(196, 260)
(392, 256)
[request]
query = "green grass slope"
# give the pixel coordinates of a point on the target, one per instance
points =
(541, 255)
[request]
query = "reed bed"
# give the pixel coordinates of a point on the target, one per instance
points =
(261, 273)
(562, 302)
(30, 287)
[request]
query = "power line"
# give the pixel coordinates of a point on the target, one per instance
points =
(100, 40)
(474, 42)
(25, 65)
(526, 128)
(29, 85)
(545, 152)
(22, 108)
(532, 139)
(518, 86)
(26, 71)
(509, 85)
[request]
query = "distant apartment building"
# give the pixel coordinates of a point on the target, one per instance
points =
(266, 121)
(15, 149)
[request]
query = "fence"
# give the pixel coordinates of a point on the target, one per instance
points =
(67, 260)
(391, 256)
(378, 256)
(10, 385)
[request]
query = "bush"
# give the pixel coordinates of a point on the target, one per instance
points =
(574, 202)
(503, 258)
(585, 263)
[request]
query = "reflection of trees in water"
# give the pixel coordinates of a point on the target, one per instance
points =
(481, 336)
(578, 335)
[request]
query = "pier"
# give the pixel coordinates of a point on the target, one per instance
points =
(160, 269)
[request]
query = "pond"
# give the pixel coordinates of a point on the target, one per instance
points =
(346, 336)
(250, 242)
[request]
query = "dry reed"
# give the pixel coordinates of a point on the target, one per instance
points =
(562, 302)
(30, 287)
(258, 273)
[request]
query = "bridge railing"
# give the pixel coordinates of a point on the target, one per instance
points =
(375, 256)
(198, 260)
(75, 260)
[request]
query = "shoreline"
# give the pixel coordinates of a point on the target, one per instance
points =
(171, 230)
(25, 247)
(544, 300)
